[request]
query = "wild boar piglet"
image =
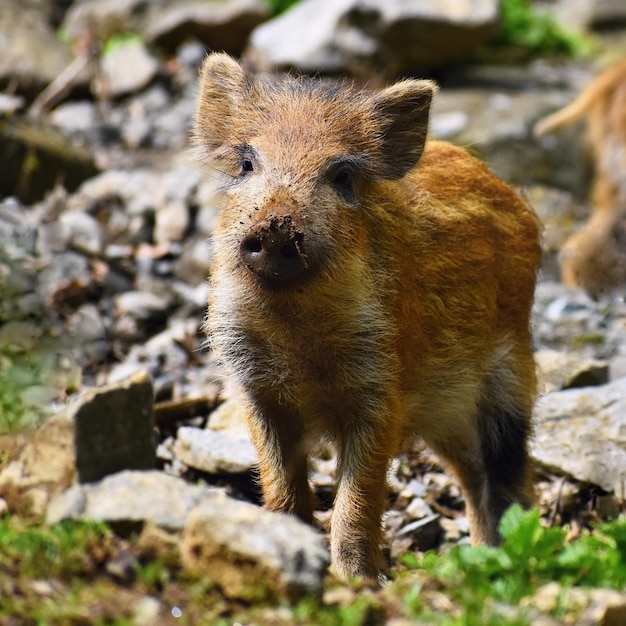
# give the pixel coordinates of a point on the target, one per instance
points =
(368, 287)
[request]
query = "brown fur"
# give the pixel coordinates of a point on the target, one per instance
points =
(411, 319)
(595, 257)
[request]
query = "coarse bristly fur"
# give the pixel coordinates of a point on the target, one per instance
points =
(595, 257)
(410, 317)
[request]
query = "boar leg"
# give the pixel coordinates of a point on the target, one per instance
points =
(283, 463)
(493, 466)
(356, 532)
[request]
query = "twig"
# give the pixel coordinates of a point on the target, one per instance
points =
(166, 413)
(59, 87)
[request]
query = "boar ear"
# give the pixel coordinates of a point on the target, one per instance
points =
(223, 84)
(401, 112)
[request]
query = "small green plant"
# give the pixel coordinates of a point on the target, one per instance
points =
(280, 6)
(119, 41)
(524, 26)
(483, 579)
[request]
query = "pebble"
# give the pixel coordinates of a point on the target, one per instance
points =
(128, 68)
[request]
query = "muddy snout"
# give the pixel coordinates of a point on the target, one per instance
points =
(275, 251)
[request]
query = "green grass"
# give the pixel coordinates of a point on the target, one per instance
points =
(463, 586)
(62, 550)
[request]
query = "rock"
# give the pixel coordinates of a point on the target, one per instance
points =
(565, 370)
(229, 416)
(10, 104)
(423, 532)
(161, 354)
(46, 466)
(215, 452)
(172, 222)
(128, 68)
(105, 430)
(607, 12)
(133, 496)
(105, 18)
(193, 266)
(582, 433)
(114, 428)
(36, 157)
(86, 325)
(583, 14)
(65, 282)
(249, 551)
(418, 509)
(141, 305)
(31, 55)
(360, 36)
(75, 118)
(85, 232)
(414, 489)
(219, 25)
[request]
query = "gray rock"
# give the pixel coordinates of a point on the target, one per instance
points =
(105, 18)
(128, 68)
(219, 25)
(172, 222)
(141, 305)
(414, 489)
(250, 552)
(85, 232)
(608, 12)
(10, 104)
(161, 354)
(565, 370)
(75, 117)
(391, 37)
(582, 14)
(418, 508)
(215, 452)
(193, 266)
(582, 433)
(114, 428)
(133, 496)
(86, 325)
(31, 56)
(65, 282)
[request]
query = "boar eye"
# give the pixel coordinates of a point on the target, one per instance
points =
(342, 178)
(246, 159)
(247, 166)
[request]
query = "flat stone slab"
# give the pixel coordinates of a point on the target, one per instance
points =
(582, 432)
(133, 496)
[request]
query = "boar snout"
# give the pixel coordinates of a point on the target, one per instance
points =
(273, 250)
